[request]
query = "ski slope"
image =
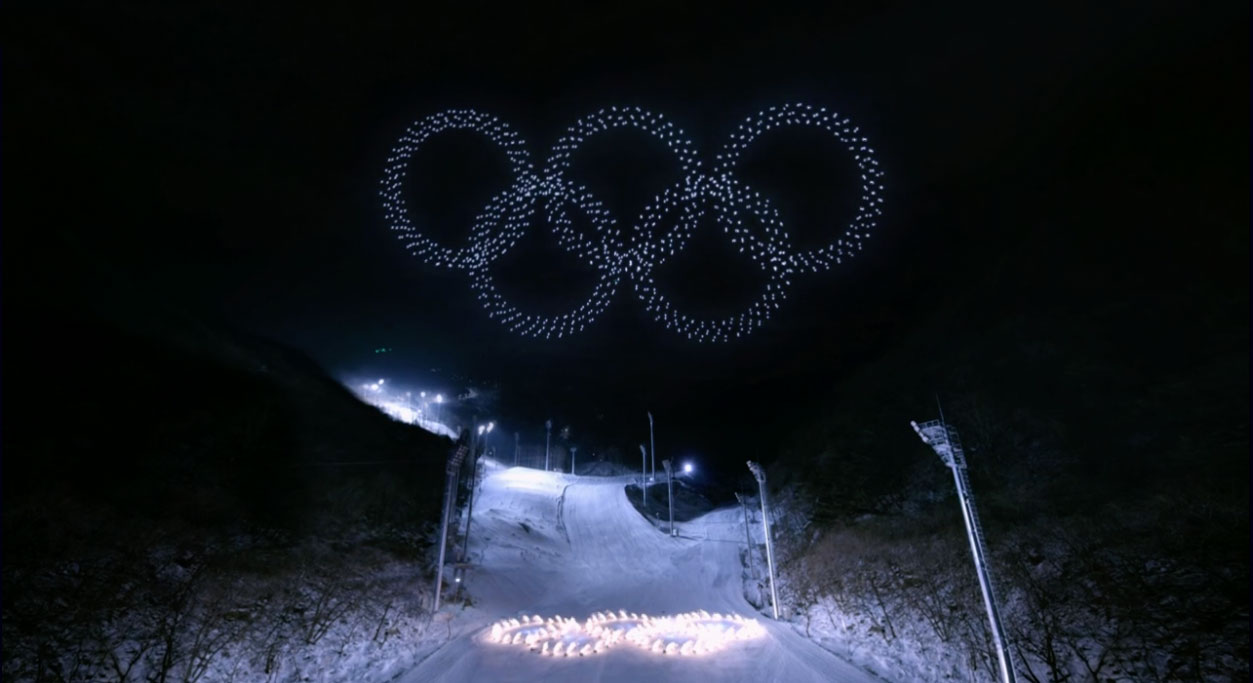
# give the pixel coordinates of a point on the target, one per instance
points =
(546, 544)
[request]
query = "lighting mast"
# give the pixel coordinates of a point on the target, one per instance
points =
(760, 474)
(946, 444)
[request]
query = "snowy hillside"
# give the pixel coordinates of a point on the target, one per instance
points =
(551, 545)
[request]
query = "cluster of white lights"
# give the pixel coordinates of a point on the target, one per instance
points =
(414, 408)
(505, 218)
(691, 633)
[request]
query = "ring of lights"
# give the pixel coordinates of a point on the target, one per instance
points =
(604, 259)
(690, 633)
(396, 210)
(728, 199)
(506, 217)
(870, 206)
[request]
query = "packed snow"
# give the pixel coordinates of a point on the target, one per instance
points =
(560, 563)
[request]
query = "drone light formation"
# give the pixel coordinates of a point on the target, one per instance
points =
(637, 252)
(690, 633)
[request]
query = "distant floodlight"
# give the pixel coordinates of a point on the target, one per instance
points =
(482, 428)
(380, 381)
(439, 398)
(422, 394)
(490, 426)
(687, 468)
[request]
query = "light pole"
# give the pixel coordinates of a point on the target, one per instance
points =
(760, 474)
(652, 446)
(574, 451)
(453, 467)
(548, 439)
(946, 444)
(670, 492)
(748, 540)
(516, 448)
(644, 477)
(479, 430)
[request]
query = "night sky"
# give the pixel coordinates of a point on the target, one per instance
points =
(230, 164)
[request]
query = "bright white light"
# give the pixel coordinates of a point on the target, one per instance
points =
(691, 633)
(422, 394)
(439, 398)
(482, 428)
(380, 382)
(490, 426)
(687, 468)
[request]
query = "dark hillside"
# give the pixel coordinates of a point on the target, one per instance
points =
(165, 479)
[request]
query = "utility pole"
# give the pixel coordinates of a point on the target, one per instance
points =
(748, 540)
(453, 467)
(670, 493)
(946, 444)
(652, 446)
(548, 439)
(475, 430)
(760, 474)
(643, 477)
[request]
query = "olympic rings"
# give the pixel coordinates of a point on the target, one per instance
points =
(504, 220)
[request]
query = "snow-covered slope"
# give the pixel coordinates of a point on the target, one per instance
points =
(558, 545)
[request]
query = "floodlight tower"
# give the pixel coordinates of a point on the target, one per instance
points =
(760, 474)
(454, 466)
(946, 443)
(670, 493)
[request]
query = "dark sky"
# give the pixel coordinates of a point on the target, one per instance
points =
(230, 163)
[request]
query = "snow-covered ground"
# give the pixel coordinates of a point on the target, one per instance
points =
(546, 544)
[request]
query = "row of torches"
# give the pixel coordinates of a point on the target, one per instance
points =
(690, 633)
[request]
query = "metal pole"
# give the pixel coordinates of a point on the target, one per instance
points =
(760, 474)
(574, 451)
(670, 493)
(474, 471)
(454, 464)
(548, 439)
(985, 582)
(748, 540)
(643, 477)
(947, 445)
(652, 446)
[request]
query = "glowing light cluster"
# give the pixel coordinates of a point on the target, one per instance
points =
(691, 633)
(410, 407)
(613, 255)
